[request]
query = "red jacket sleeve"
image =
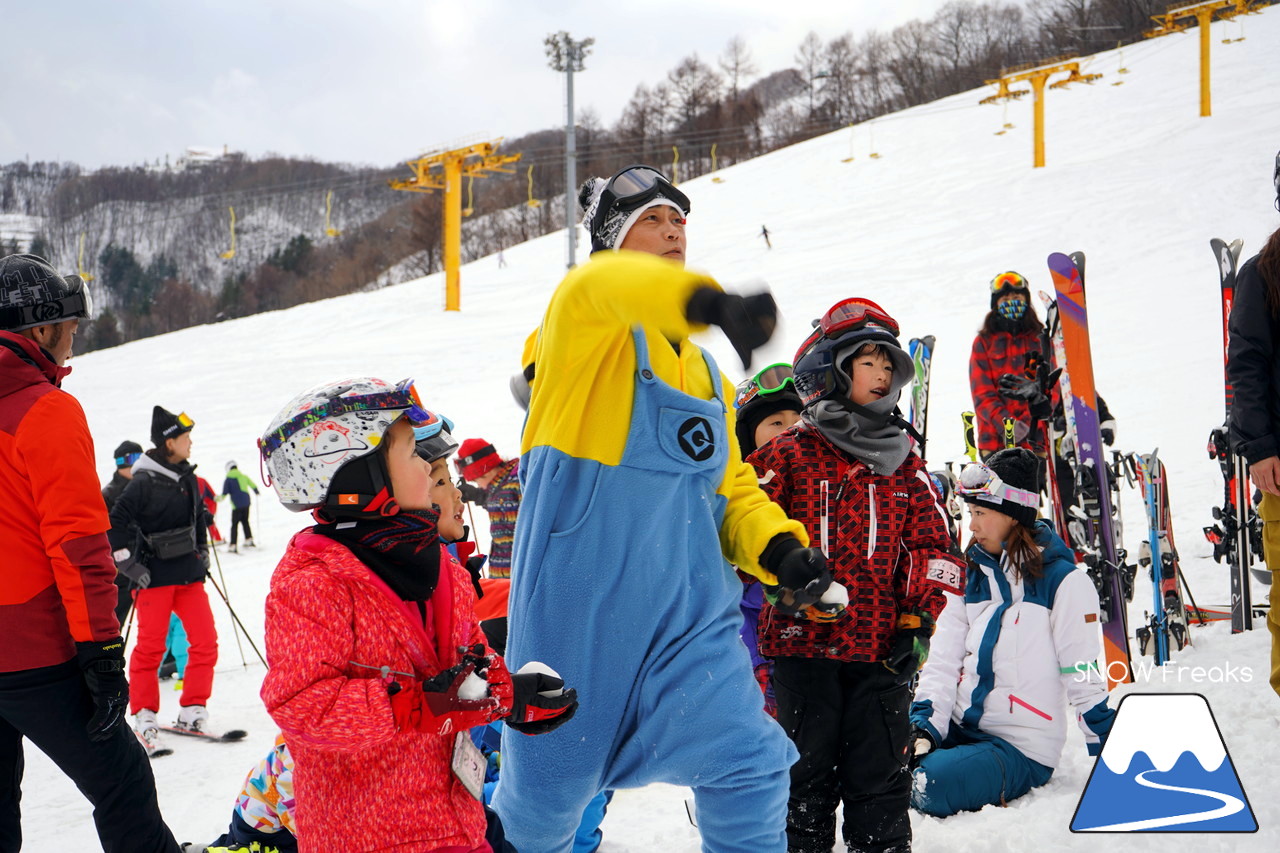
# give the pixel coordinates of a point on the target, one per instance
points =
(991, 409)
(54, 442)
(930, 567)
(307, 691)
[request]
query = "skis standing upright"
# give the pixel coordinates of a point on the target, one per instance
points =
(1168, 620)
(1235, 518)
(921, 351)
(1104, 559)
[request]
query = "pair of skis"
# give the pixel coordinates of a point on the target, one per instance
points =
(156, 750)
(1237, 533)
(1166, 624)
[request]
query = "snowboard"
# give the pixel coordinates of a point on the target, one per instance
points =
(1103, 557)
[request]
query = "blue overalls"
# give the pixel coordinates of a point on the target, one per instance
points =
(619, 584)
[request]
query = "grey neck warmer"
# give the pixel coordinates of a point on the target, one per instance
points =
(882, 447)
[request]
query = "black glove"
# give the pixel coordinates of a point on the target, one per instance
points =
(747, 321)
(910, 646)
(204, 558)
(472, 494)
(919, 744)
(533, 713)
(103, 666)
(1017, 387)
(128, 564)
(1108, 430)
(803, 578)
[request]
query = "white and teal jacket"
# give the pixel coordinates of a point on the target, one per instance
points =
(1009, 657)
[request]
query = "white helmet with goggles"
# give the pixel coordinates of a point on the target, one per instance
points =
(323, 431)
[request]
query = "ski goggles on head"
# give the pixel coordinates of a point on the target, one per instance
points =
(76, 303)
(854, 313)
(1009, 280)
(184, 420)
(772, 379)
(425, 423)
(127, 460)
(981, 483)
(632, 187)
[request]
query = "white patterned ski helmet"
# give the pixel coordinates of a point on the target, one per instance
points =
(326, 428)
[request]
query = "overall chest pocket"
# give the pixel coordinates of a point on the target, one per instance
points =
(691, 440)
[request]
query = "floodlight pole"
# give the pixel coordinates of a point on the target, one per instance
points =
(565, 54)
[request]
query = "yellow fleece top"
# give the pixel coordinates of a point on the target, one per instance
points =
(584, 384)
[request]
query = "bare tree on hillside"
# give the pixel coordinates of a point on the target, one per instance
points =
(737, 65)
(843, 65)
(810, 61)
(694, 87)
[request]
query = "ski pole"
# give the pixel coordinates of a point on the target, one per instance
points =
(218, 562)
(236, 618)
(1186, 586)
(133, 606)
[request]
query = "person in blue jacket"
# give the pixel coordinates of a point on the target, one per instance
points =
(635, 494)
(1012, 658)
(237, 486)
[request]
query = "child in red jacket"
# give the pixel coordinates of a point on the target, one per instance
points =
(843, 685)
(378, 666)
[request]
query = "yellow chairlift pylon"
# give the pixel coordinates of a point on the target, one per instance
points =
(80, 270)
(675, 165)
(532, 202)
(231, 253)
(328, 209)
(1180, 16)
(443, 170)
(717, 179)
(1037, 74)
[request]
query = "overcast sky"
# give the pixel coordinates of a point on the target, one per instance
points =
(358, 81)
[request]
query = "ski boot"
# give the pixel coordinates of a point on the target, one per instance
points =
(192, 717)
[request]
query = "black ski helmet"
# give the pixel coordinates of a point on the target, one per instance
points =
(32, 293)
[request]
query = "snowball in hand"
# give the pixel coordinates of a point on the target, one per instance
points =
(835, 594)
(473, 688)
(540, 667)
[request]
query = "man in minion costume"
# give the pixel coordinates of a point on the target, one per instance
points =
(636, 501)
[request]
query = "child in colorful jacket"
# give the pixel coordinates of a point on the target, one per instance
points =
(848, 475)
(378, 666)
(987, 721)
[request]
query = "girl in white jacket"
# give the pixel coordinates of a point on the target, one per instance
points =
(1007, 659)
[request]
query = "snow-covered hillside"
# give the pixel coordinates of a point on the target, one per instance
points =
(1135, 178)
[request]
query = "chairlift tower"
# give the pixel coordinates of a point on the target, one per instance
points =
(565, 54)
(443, 170)
(1181, 16)
(1038, 74)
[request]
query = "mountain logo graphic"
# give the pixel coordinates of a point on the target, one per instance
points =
(1164, 768)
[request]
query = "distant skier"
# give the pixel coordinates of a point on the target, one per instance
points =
(764, 232)
(237, 486)
(1253, 369)
(125, 456)
(988, 721)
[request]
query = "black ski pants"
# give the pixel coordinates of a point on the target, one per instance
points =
(240, 516)
(850, 723)
(51, 707)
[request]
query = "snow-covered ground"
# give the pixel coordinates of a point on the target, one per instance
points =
(1135, 178)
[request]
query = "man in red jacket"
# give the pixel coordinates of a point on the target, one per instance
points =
(62, 683)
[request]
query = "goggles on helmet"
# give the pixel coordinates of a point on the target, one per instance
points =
(127, 460)
(1009, 279)
(77, 303)
(770, 380)
(981, 483)
(633, 187)
(426, 424)
(853, 314)
(184, 420)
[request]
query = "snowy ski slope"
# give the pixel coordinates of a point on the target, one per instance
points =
(1135, 178)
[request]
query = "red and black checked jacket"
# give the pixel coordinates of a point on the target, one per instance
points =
(887, 543)
(993, 356)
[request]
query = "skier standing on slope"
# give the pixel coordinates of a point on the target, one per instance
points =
(160, 539)
(62, 683)
(843, 685)
(1008, 656)
(378, 666)
(1253, 370)
(237, 486)
(125, 455)
(634, 495)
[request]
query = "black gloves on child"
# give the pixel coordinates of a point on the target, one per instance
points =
(540, 703)
(910, 646)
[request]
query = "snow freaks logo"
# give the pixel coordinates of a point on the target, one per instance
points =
(1164, 768)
